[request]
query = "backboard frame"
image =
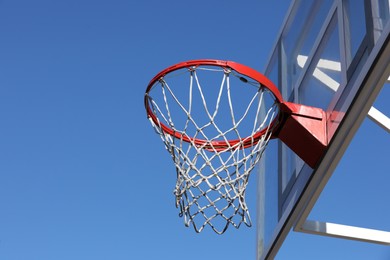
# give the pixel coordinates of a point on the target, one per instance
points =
(364, 74)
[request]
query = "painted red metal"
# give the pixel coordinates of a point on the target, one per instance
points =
(303, 130)
(300, 127)
(214, 145)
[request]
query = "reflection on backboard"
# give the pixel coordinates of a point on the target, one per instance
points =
(326, 56)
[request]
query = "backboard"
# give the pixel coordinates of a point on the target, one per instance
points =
(331, 54)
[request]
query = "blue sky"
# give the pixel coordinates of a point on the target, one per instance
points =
(82, 173)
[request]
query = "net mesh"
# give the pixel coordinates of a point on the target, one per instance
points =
(212, 171)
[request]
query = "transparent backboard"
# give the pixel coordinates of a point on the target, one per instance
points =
(333, 55)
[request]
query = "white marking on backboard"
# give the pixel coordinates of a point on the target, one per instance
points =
(320, 75)
(374, 114)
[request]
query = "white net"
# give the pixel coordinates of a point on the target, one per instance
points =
(213, 141)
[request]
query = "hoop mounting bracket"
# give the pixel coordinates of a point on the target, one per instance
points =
(304, 131)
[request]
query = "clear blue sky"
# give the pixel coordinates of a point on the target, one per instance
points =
(82, 173)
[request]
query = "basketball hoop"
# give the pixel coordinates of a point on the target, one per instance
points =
(216, 118)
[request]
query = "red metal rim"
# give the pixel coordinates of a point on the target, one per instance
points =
(214, 145)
